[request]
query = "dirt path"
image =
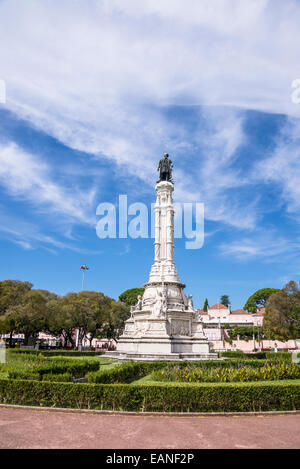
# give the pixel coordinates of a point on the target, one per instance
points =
(27, 428)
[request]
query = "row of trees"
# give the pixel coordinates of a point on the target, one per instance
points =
(24, 310)
(28, 311)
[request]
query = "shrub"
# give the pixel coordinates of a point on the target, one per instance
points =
(131, 371)
(235, 397)
(279, 356)
(228, 374)
(64, 377)
(39, 366)
(240, 354)
(125, 373)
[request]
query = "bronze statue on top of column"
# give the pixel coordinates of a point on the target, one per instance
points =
(165, 169)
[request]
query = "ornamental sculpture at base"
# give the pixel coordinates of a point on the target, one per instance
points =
(164, 325)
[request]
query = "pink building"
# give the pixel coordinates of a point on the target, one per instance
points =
(218, 316)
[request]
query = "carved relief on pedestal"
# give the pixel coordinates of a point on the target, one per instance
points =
(180, 327)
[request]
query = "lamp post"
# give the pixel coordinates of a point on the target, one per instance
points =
(84, 268)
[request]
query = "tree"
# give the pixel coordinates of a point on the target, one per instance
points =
(225, 300)
(118, 314)
(129, 297)
(85, 312)
(206, 305)
(12, 293)
(259, 299)
(30, 316)
(96, 309)
(61, 321)
(282, 316)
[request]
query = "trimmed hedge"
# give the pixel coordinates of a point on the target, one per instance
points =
(240, 354)
(52, 366)
(125, 372)
(131, 371)
(56, 353)
(237, 397)
(257, 355)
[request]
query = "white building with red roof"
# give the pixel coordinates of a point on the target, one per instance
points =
(218, 316)
(219, 313)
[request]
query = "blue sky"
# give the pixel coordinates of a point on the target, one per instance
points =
(97, 91)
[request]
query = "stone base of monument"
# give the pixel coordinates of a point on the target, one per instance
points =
(178, 336)
(150, 357)
(156, 357)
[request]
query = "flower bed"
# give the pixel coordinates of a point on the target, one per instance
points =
(270, 371)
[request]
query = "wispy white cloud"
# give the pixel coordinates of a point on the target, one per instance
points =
(214, 176)
(86, 73)
(28, 235)
(281, 169)
(266, 245)
(99, 76)
(27, 177)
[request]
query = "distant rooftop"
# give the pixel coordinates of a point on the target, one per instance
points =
(239, 311)
(218, 306)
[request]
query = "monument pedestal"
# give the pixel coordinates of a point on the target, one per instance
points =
(164, 324)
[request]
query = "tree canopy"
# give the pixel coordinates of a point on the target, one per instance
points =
(89, 314)
(205, 306)
(259, 299)
(282, 316)
(224, 300)
(129, 297)
(29, 317)
(12, 293)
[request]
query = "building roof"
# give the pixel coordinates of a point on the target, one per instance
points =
(260, 312)
(200, 311)
(239, 311)
(218, 306)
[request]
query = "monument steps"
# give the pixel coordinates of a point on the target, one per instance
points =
(128, 356)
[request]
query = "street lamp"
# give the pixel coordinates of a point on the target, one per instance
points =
(83, 268)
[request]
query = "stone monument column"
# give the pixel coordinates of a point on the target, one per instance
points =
(163, 324)
(164, 234)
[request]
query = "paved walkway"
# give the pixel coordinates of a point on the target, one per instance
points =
(27, 428)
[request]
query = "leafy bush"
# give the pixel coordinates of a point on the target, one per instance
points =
(278, 356)
(131, 371)
(38, 367)
(125, 373)
(229, 397)
(240, 354)
(64, 377)
(228, 374)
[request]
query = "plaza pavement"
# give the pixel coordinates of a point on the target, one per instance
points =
(29, 428)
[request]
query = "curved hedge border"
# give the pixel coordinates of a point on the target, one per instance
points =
(257, 355)
(55, 367)
(131, 371)
(231, 397)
